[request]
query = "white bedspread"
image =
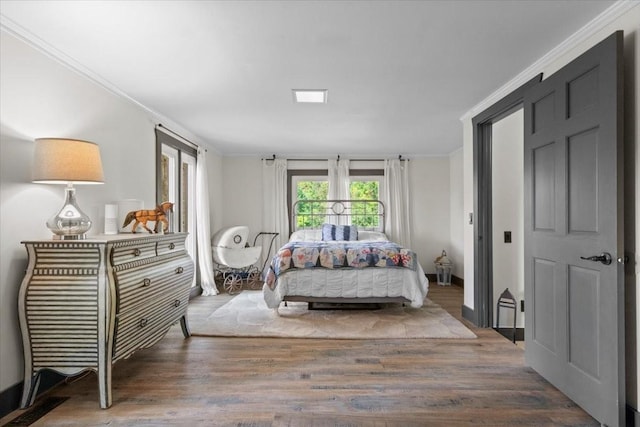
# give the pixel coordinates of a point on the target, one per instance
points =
(350, 283)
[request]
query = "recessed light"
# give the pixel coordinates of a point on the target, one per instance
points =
(318, 96)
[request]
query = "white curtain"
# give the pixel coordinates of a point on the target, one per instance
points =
(396, 201)
(203, 228)
(338, 178)
(275, 216)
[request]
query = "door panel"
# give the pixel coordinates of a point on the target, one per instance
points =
(543, 112)
(573, 209)
(582, 92)
(544, 182)
(583, 182)
(544, 326)
(584, 293)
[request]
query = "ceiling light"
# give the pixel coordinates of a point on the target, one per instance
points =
(318, 96)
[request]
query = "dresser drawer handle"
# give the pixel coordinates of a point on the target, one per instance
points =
(143, 322)
(146, 282)
(136, 252)
(177, 303)
(172, 245)
(179, 270)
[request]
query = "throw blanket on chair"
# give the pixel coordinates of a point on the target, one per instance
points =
(351, 254)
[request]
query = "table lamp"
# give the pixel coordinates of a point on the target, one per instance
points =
(67, 161)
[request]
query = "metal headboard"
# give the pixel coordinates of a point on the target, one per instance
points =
(366, 214)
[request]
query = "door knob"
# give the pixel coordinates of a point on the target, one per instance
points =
(604, 257)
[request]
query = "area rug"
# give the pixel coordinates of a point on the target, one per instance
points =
(247, 315)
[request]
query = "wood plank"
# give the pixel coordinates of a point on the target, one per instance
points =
(306, 382)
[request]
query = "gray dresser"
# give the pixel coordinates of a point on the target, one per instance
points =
(85, 304)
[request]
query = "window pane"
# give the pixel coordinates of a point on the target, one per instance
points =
(311, 215)
(312, 190)
(169, 185)
(165, 176)
(187, 201)
(365, 214)
(364, 190)
(184, 199)
(177, 185)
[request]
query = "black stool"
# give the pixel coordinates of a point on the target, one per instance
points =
(506, 300)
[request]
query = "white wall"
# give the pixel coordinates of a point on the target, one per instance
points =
(429, 181)
(429, 192)
(39, 97)
(216, 187)
(456, 212)
(629, 22)
(507, 163)
(467, 180)
(242, 193)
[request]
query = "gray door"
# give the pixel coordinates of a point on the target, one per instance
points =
(573, 210)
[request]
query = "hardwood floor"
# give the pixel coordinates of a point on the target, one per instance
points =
(305, 382)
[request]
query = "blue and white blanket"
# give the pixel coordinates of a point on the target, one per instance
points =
(333, 255)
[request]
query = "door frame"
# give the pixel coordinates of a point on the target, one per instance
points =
(482, 313)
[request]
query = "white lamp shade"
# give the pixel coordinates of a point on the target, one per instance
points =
(60, 161)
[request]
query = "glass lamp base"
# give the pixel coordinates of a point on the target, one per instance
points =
(70, 223)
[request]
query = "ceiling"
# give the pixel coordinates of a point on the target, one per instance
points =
(400, 74)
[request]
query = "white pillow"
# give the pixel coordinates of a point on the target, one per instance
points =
(372, 235)
(315, 235)
(309, 235)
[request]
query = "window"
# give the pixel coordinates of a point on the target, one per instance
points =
(365, 188)
(176, 182)
(313, 185)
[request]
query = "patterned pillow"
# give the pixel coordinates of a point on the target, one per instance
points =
(339, 232)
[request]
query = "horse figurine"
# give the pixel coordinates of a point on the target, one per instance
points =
(159, 215)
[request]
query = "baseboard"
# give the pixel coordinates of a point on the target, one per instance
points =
(469, 314)
(195, 292)
(455, 280)
(508, 333)
(633, 417)
(10, 398)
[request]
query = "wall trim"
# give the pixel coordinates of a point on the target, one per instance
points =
(508, 333)
(10, 398)
(469, 314)
(482, 196)
(612, 13)
(455, 280)
(458, 281)
(633, 417)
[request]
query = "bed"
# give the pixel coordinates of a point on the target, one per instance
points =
(339, 254)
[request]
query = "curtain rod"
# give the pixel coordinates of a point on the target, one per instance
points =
(324, 160)
(160, 125)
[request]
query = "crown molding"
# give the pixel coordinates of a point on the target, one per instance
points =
(21, 33)
(14, 29)
(612, 13)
